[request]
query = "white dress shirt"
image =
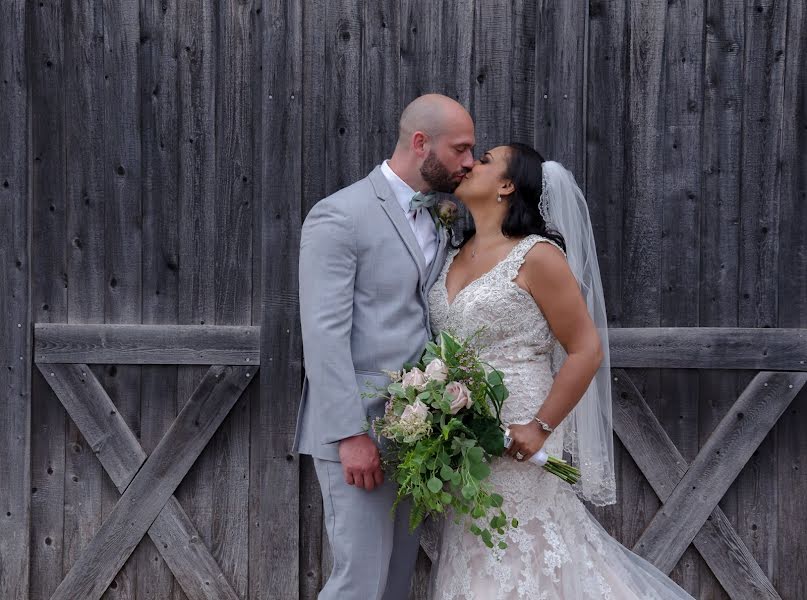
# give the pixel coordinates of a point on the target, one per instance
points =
(420, 220)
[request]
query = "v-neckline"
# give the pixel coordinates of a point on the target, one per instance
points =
(450, 262)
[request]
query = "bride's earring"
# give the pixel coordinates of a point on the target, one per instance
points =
(498, 198)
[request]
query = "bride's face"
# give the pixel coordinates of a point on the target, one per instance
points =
(487, 180)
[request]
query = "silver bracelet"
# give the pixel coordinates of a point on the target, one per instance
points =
(544, 425)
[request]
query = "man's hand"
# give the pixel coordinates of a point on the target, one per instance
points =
(361, 462)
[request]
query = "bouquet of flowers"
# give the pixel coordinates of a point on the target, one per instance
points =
(442, 424)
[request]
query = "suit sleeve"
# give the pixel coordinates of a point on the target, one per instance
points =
(328, 259)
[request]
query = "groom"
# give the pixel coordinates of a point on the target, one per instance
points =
(368, 257)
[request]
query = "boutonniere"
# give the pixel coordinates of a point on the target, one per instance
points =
(446, 213)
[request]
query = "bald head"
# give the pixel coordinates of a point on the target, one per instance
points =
(434, 115)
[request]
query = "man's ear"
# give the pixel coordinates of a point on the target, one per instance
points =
(419, 142)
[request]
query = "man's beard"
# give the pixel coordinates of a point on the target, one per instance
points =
(437, 176)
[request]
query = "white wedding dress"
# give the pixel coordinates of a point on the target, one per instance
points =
(558, 551)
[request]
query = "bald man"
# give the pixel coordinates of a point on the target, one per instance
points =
(368, 258)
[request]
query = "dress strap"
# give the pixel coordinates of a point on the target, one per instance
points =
(519, 252)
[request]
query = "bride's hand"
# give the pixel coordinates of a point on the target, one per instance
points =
(527, 440)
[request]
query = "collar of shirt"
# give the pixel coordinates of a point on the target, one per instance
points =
(403, 193)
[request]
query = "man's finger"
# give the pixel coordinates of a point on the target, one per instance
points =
(349, 479)
(369, 482)
(378, 476)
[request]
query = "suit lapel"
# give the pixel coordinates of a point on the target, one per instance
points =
(439, 257)
(390, 205)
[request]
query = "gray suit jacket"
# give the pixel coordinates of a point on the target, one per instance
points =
(363, 308)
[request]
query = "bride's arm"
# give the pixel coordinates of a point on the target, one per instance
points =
(547, 277)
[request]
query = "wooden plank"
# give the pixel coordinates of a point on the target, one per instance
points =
(233, 276)
(120, 453)
(524, 59)
(160, 302)
(147, 344)
(680, 172)
(454, 49)
(641, 225)
(123, 215)
(196, 70)
(15, 306)
(560, 77)
(791, 446)
(663, 465)
(606, 114)
(724, 455)
(709, 348)
(85, 193)
(155, 482)
(760, 176)
(720, 209)
(313, 541)
(380, 80)
(274, 541)
(419, 23)
(45, 67)
(491, 88)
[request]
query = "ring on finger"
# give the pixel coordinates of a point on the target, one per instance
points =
(519, 456)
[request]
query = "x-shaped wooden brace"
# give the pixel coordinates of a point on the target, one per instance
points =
(147, 484)
(690, 493)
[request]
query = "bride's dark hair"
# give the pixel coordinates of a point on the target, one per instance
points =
(523, 217)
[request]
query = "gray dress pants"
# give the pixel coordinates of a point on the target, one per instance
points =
(373, 553)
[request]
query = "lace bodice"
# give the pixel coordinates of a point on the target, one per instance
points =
(515, 337)
(558, 550)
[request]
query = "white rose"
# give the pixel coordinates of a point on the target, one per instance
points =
(437, 370)
(460, 396)
(414, 378)
(417, 412)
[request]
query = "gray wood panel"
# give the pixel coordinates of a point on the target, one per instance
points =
(680, 243)
(122, 216)
(663, 465)
(160, 292)
(491, 82)
(116, 447)
(720, 240)
(45, 69)
(312, 534)
(147, 344)
(725, 454)
(709, 348)
(606, 155)
(15, 307)
(274, 472)
(791, 443)
(560, 84)
(233, 300)
(84, 197)
(155, 482)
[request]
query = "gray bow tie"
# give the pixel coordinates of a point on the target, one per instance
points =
(420, 199)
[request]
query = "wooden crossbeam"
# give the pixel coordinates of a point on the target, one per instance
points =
(662, 464)
(155, 482)
(119, 452)
(717, 465)
(147, 344)
(709, 348)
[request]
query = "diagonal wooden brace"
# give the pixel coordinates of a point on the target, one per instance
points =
(664, 467)
(717, 465)
(147, 485)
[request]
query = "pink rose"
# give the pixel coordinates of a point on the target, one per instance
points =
(436, 370)
(414, 378)
(460, 396)
(417, 412)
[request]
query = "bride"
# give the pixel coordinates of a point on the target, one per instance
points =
(528, 275)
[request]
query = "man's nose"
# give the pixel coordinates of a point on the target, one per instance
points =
(468, 160)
